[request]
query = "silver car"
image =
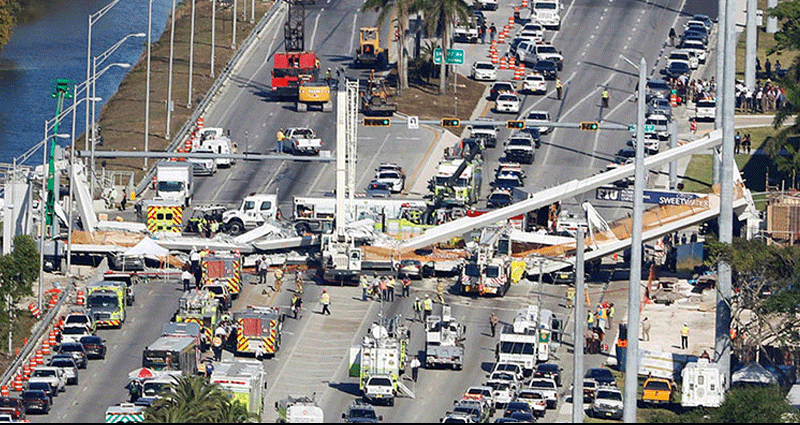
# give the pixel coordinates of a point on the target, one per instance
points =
(67, 364)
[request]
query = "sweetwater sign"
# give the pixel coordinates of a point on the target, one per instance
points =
(653, 197)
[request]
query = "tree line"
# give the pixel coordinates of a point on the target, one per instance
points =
(13, 12)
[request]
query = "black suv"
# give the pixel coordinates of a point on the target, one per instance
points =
(548, 69)
(500, 87)
(361, 412)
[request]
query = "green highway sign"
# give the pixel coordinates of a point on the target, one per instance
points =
(648, 128)
(454, 56)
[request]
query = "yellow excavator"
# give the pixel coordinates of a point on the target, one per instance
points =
(369, 52)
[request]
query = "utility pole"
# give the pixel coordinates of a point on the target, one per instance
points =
(634, 285)
(722, 13)
(750, 47)
(580, 323)
(191, 57)
(213, 33)
(722, 343)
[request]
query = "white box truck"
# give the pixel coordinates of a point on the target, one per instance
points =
(174, 181)
(244, 381)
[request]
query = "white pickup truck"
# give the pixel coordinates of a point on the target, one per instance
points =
(486, 4)
(302, 141)
(466, 32)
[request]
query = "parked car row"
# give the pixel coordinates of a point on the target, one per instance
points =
(78, 344)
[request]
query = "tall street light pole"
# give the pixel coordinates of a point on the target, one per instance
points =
(233, 33)
(191, 58)
(93, 100)
(93, 18)
(634, 284)
(169, 79)
(579, 325)
(98, 60)
(213, 33)
(722, 340)
(147, 88)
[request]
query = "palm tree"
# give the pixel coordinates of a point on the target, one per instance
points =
(400, 9)
(789, 109)
(440, 16)
(195, 399)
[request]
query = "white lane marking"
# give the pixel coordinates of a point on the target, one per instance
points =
(372, 161)
(597, 134)
(319, 176)
(353, 33)
(563, 19)
(314, 34)
(569, 111)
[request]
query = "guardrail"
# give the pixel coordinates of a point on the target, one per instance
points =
(34, 340)
(177, 140)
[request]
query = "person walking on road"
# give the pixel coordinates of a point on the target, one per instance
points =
(124, 200)
(611, 311)
(672, 36)
(406, 286)
(278, 279)
(427, 306)
(364, 287)
(417, 309)
(297, 303)
(391, 284)
(645, 329)
(493, 320)
(559, 87)
(263, 267)
(482, 29)
(186, 277)
(280, 137)
(440, 290)
(325, 300)
(216, 346)
(570, 296)
(384, 289)
(415, 364)
(298, 283)
(604, 96)
(685, 336)
(492, 32)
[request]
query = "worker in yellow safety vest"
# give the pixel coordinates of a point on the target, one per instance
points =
(559, 87)
(325, 300)
(570, 296)
(440, 290)
(685, 336)
(278, 279)
(298, 283)
(427, 306)
(604, 96)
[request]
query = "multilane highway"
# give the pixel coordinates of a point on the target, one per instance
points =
(314, 354)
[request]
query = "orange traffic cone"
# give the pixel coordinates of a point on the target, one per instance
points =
(520, 72)
(34, 310)
(502, 62)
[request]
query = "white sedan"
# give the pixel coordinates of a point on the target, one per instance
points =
(393, 179)
(484, 71)
(508, 102)
(534, 83)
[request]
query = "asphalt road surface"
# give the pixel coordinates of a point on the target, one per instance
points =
(315, 350)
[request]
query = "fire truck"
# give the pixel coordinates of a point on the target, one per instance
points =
(225, 267)
(199, 307)
(258, 330)
(290, 69)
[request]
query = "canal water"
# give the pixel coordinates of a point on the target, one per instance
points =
(55, 47)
